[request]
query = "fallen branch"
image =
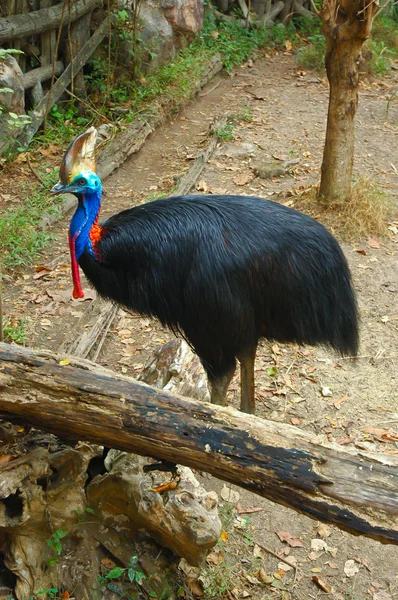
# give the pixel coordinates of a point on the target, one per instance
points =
(189, 179)
(38, 21)
(41, 74)
(93, 338)
(356, 491)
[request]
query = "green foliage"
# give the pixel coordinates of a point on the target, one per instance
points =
(134, 574)
(49, 592)
(54, 542)
(15, 122)
(20, 239)
(15, 332)
(380, 63)
(226, 133)
(312, 54)
(383, 45)
(5, 51)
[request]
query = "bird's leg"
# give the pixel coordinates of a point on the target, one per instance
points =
(247, 401)
(219, 387)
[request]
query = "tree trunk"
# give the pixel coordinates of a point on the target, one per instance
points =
(346, 25)
(338, 156)
(356, 491)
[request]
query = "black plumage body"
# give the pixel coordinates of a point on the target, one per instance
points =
(226, 271)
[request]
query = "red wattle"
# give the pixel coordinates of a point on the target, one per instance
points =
(77, 288)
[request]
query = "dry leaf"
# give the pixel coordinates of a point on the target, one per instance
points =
(382, 595)
(318, 545)
(263, 577)
(374, 243)
(195, 587)
(337, 403)
(291, 540)
(64, 362)
(6, 458)
(215, 559)
(258, 552)
(364, 563)
(108, 563)
(383, 435)
(325, 391)
(229, 495)
(324, 531)
(243, 178)
(321, 584)
(252, 579)
(202, 186)
(224, 536)
(350, 568)
(284, 567)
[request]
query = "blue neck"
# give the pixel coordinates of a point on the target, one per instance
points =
(89, 205)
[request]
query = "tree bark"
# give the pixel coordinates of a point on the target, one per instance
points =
(356, 491)
(346, 26)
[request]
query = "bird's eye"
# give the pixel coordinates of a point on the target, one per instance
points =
(81, 181)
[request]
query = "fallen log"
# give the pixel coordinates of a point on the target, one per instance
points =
(41, 74)
(39, 21)
(353, 490)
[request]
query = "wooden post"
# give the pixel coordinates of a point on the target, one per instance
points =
(47, 40)
(78, 35)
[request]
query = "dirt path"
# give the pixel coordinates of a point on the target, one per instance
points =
(280, 113)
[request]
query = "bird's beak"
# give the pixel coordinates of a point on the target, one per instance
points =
(59, 188)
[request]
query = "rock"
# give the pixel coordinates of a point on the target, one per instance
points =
(242, 150)
(11, 77)
(155, 41)
(269, 169)
(156, 45)
(185, 18)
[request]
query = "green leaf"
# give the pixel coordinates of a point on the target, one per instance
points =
(115, 573)
(153, 594)
(115, 589)
(272, 371)
(13, 115)
(90, 510)
(131, 575)
(60, 533)
(53, 561)
(139, 576)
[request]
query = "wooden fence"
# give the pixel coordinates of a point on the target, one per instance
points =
(57, 40)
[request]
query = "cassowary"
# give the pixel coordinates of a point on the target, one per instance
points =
(223, 271)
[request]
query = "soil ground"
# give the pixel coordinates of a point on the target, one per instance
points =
(280, 114)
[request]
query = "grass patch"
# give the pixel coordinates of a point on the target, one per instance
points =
(383, 45)
(20, 237)
(365, 214)
(14, 330)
